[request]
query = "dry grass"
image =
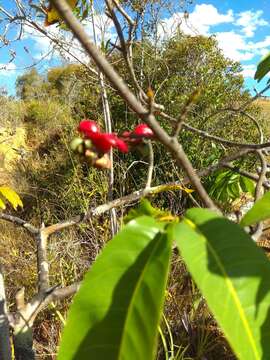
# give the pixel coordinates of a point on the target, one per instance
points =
(188, 327)
(264, 105)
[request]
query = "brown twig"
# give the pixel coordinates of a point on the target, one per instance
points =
(123, 12)
(150, 165)
(261, 178)
(18, 221)
(5, 348)
(206, 135)
(184, 111)
(42, 262)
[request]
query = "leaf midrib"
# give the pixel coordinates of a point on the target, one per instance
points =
(235, 298)
(130, 306)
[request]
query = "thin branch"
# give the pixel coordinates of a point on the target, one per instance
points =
(252, 118)
(61, 293)
(59, 44)
(257, 231)
(261, 179)
(184, 111)
(219, 139)
(20, 300)
(5, 348)
(108, 128)
(150, 165)
(123, 12)
(18, 221)
(257, 96)
(42, 262)
(124, 48)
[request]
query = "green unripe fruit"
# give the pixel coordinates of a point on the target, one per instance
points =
(76, 143)
(80, 149)
(90, 154)
(88, 144)
(90, 157)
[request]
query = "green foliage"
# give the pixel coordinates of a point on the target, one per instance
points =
(116, 313)
(145, 208)
(263, 68)
(29, 84)
(233, 275)
(259, 212)
(47, 115)
(227, 185)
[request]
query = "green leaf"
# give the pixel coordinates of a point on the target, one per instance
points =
(260, 211)
(233, 275)
(11, 196)
(145, 208)
(247, 185)
(263, 68)
(116, 313)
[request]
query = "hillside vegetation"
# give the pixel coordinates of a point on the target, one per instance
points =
(55, 184)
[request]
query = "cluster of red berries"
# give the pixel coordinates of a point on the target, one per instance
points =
(95, 144)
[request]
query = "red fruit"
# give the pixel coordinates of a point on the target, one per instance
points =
(121, 145)
(126, 134)
(88, 127)
(142, 131)
(103, 142)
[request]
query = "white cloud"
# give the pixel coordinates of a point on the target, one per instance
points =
(7, 70)
(206, 15)
(249, 21)
(234, 46)
(236, 43)
(260, 45)
(249, 71)
(198, 22)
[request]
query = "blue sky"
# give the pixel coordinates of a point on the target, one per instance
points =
(242, 29)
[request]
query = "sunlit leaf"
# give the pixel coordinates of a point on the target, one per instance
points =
(11, 196)
(145, 208)
(259, 212)
(116, 313)
(233, 275)
(263, 68)
(52, 15)
(2, 204)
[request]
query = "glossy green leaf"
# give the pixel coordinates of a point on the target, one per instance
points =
(233, 275)
(227, 186)
(247, 185)
(263, 68)
(259, 212)
(116, 313)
